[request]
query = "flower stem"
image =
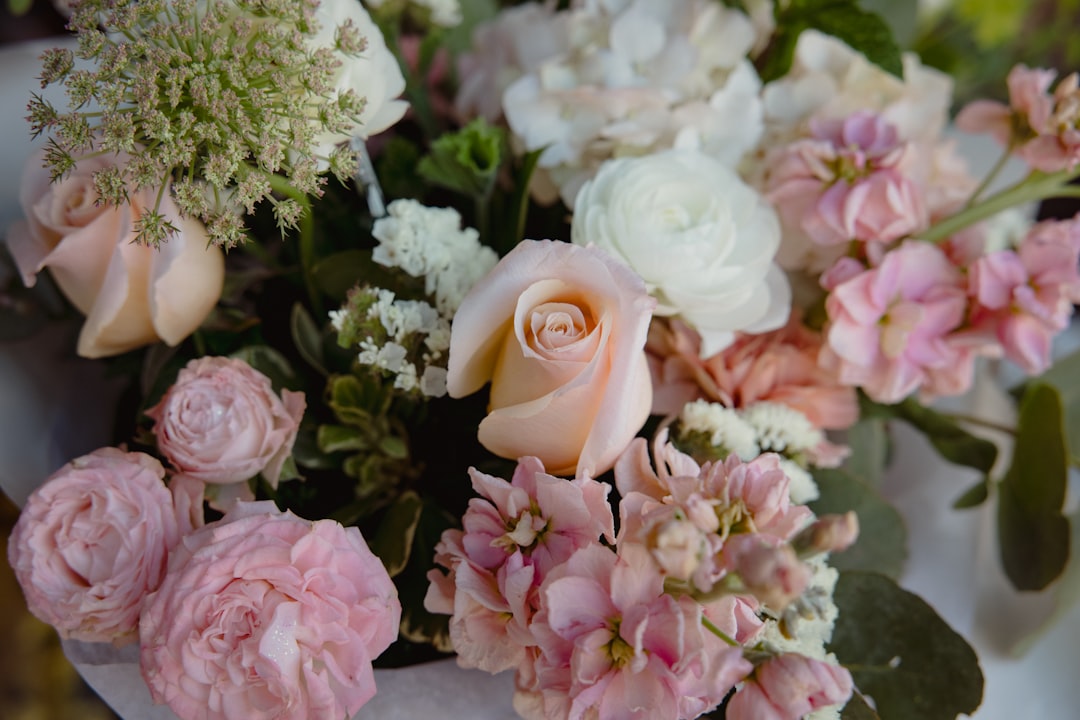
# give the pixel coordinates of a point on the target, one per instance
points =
(1035, 186)
(718, 632)
(306, 227)
(988, 424)
(994, 171)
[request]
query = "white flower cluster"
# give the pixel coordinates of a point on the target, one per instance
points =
(761, 427)
(429, 242)
(407, 323)
(443, 13)
(614, 78)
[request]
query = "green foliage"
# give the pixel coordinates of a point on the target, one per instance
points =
(307, 338)
(270, 363)
(858, 709)
(19, 7)
(953, 442)
(1033, 534)
(974, 496)
(993, 22)
(882, 543)
(467, 160)
(1064, 375)
(901, 653)
(864, 31)
(869, 443)
(393, 541)
(417, 624)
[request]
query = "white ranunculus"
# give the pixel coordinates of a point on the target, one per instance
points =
(700, 237)
(373, 75)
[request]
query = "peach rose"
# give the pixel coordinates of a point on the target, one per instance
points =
(132, 295)
(559, 330)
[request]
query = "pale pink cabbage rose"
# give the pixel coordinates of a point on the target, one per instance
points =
(132, 295)
(221, 422)
(1041, 128)
(559, 330)
(512, 537)
(93, 541)
(1024, 298)
(889, 326)
(612, 644)
(779, 366)
(847, 183)
(264, 615)
(789, 686)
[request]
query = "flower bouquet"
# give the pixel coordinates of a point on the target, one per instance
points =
(569, 339)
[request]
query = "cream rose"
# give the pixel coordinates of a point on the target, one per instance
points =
(559, 331)
(703, 241)
(132, 295)
(374, 75)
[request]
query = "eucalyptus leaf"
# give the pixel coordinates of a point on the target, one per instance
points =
(1064, 375)
(974, 496)
(901, 653)
(307, 337)
(858, 709)
(882, 542)
(393, 541)
(1034, 536)
(869, 443)
(953, 442)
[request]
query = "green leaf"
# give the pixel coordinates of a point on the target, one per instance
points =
(974, 496)
(869, 443)
(337, 438)
(307, 453)
(466, 160)
(1033, 534)
(1065, 376)
(339, 273)
(394, 447)
(393, 541)
(858, 709)
(1066, 590)
(901, 653)
(417, 624)
(953, 442)
(882, 543)
(289, 471)
(19, 7)
(307, 337)
(519, 202)
(270, 363)
(864, 31)
(776, 59)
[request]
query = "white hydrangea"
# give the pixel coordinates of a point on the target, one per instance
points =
(725, 428)
(613, 79)
(430, 243)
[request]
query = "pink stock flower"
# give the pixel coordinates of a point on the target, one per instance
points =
(221, 422)
(779, 366)
(889, 326)
(847, 183)
(769, 571)
(94, 540)
(685, 514)
(1040, 127)
(265, 615)
(1024, 298)
(612, 644)
(789, 686)
(513, 536)
(559, 331)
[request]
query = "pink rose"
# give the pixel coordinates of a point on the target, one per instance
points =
(132, 295)
(221, 422)
(93, 541)
(265, 615)
(559, 330)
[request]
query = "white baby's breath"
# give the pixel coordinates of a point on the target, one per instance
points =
(782, 429)
(724, 427)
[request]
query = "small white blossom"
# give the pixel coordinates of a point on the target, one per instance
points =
(337, 318)
(430, 243)
(782, 429)
(802, 488)
(725, 428)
